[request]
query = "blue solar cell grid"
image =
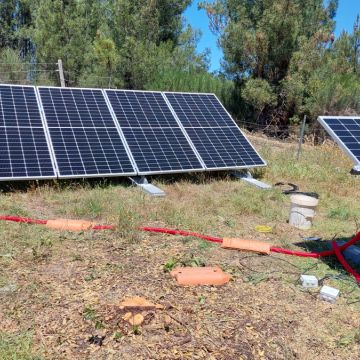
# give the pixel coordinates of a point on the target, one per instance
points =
(24, 151)
(216, 137)
(346, 132)
(84, 136)
(154, 136)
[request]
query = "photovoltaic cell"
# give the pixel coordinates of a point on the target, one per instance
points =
(83, 133)
(24, 151)
(346, 132)
(216, 137)
(154, 136)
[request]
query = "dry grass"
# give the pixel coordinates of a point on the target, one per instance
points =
(68, 285)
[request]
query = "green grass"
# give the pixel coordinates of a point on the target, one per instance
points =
(17, 347)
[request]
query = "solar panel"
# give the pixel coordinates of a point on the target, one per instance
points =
(156, 139)
(215, 135)
(24, 150)
(84, 135)
(346, 132)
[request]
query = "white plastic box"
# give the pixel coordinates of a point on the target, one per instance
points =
(309, 281)
(329, 294)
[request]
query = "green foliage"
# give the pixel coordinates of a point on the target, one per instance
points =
(120, 43)
(15, 17)
(338, 94)
(63, 30)
(283, 57)
(281, 60)
(259, 94)
(13, 71)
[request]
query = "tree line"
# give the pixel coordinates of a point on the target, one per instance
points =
(281, 58)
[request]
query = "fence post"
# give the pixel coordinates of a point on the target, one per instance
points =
(301, 137)
(61, 73)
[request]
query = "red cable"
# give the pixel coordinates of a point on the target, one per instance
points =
(23, 220)
(354, 240)
(336, 250)
(103, 227)
(343, 262)
(109, 227)
(181, 232)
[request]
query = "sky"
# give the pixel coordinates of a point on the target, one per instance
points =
(346, 14)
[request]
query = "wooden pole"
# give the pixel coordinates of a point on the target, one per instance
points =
(301, 138)
(61, 73)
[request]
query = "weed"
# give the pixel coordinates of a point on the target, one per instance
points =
(99, 325)
(186, 239)
(202, 300)
(170, 264)
(205, 245)
(118, 335)
(136, 330)
(77, 257)
(349, 339)
(193, 261)
(127, 224)
(115, 267)
(229, 222)
(94, 207)
(92, 275)
(18, 210)
(256, 278)
(339, 213)
(39, 254)
(89, 314)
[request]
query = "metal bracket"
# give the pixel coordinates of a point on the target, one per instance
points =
(150, 189)
(355, 170)
(246, 176)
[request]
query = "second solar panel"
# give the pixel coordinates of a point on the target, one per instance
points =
(84, 136)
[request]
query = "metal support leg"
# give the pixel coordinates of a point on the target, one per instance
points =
(150, 189)
(246, 176)
(355, 170)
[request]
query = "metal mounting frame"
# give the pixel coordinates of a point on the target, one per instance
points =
(142, 182)
(355, 170)
(246, 176)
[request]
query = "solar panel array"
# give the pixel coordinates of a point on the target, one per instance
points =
(346, 132)
(24, 151)
(49, 132)
(214, 134)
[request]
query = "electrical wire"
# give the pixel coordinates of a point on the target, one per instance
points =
(335, 251)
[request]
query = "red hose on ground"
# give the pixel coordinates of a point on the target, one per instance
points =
(103, 227)
(336, 249)
(181, 232)
(23, 220)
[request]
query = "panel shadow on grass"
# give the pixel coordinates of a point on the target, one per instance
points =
(351, 254)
